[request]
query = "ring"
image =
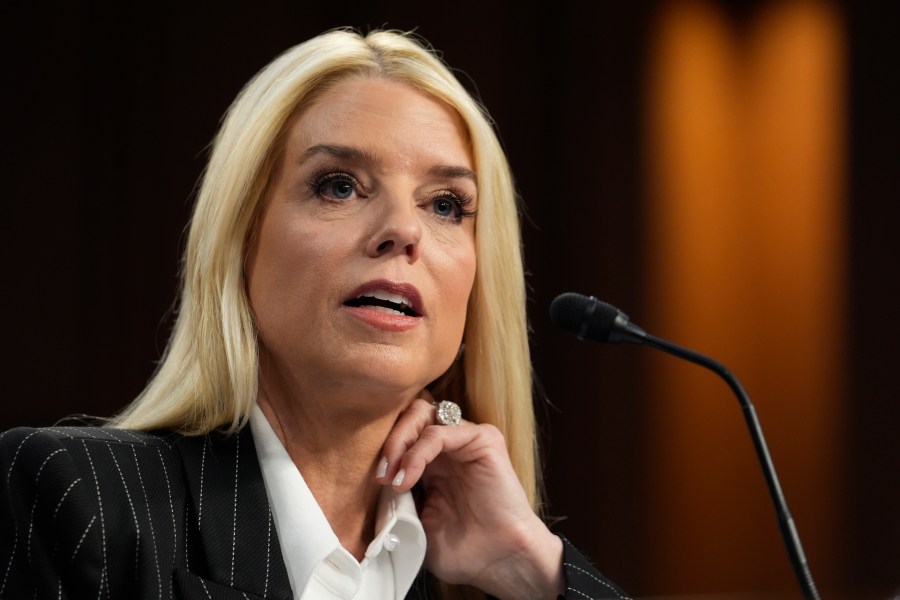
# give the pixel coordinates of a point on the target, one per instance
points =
(448, 413)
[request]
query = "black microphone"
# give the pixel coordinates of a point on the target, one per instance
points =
(589, 318)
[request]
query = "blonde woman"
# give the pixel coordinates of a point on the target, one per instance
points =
(346, 395)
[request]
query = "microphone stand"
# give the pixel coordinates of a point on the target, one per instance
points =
(636, 335)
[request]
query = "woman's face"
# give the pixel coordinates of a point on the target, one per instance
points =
(364, 256)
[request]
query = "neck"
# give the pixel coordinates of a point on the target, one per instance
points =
(335, 439)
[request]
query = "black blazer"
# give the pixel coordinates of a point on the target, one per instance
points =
(98, 513)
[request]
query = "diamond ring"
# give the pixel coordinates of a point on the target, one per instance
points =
(448, 413)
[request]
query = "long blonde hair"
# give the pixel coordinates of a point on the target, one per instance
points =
(207, 378)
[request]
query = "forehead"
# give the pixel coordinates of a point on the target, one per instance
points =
(390, 118)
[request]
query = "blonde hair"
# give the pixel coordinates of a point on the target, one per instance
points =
(207, 378)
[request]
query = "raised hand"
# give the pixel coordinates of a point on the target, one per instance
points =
(480, 527)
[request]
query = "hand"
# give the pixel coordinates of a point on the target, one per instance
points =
(480, 527)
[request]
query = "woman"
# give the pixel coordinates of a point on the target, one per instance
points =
(337, 280)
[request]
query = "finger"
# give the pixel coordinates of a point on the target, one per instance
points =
(427, 447)
(417, 416)
(465, 443)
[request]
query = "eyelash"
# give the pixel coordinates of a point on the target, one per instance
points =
(323, 177)
(461, 201)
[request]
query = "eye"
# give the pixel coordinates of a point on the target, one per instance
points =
(336, 186)
(446, 206)
(452, 206)
(339, 189)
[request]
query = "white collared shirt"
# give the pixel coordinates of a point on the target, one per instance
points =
(318, 566)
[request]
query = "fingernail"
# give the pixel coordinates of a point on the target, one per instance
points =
(382, 468)
(399, 478)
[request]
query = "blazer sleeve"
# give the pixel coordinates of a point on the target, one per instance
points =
(46, 523)
(87, 513)
(583, 580)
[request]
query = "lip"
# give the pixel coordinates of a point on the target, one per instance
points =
(382, 320)
(406, 290)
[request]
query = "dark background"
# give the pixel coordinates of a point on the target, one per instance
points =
(110, 111)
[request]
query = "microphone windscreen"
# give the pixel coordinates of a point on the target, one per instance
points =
(584, 316)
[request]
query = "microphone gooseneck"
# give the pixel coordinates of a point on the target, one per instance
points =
(591, 319)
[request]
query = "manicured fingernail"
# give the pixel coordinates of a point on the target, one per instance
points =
(382, 468)
(399, 478)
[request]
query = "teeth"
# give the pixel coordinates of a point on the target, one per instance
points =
(384, 309)
(383, 295)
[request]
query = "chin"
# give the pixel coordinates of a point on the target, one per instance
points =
(401, 372)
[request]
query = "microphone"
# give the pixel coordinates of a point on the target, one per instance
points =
(591, 319)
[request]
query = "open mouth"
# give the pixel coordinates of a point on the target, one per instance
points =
(385, 302)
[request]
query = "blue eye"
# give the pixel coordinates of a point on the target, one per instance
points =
(445, 207)
(339, 189)
(335, 186)
(452, 206)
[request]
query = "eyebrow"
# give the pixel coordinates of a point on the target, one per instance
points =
(448, 172)
(345, 152)
(359, 155)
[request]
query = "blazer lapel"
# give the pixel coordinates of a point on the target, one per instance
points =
(231, 540)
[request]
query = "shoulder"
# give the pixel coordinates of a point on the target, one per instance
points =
(86, 496)
(73, 476)
(65, 434)
(22, 445)
(32, 457)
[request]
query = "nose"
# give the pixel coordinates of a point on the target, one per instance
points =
(398, 230)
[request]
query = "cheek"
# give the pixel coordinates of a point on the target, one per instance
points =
(454, 286)
(280, 269)
(457, 287)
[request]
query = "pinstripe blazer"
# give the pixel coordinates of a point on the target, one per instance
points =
(101, 513)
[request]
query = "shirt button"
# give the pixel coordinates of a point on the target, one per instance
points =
(391, 542)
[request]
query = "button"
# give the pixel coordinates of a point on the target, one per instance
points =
(391, 542)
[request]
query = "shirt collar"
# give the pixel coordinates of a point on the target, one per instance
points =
(400, 532)
(305, 536)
